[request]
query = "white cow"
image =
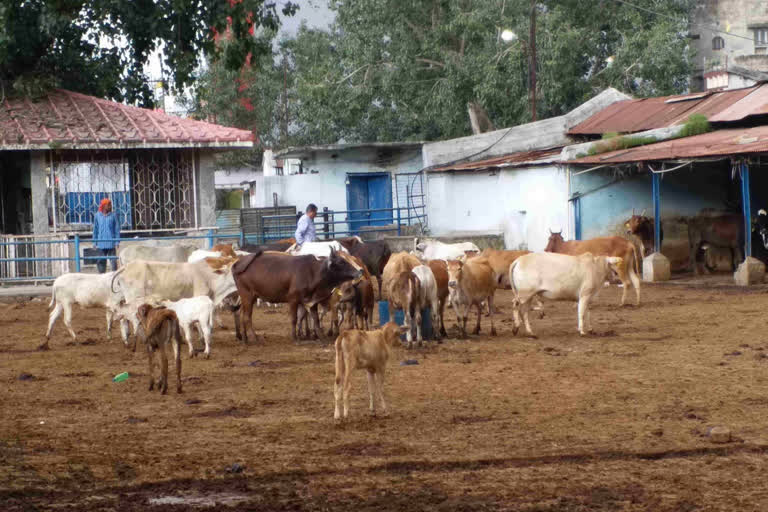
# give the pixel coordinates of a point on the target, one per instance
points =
(436, 250)
(559, 277)
(316, 249)
(428, 291)
(191, 311)
(87, 290)
(172, 253)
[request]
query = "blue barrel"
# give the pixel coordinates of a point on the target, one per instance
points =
(426, 319)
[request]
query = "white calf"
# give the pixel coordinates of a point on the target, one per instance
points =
(436, 250)
(316, 249)
(87, 290)
(559, 277)
(195, 310)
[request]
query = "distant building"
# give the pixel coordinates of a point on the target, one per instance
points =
(731, 40)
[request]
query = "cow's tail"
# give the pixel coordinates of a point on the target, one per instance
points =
(210, 317)
(112, 284)
(516, 299)
(53, 296)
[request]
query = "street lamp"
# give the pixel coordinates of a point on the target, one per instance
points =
(508, 36)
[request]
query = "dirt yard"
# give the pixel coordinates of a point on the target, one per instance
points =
(618, 421)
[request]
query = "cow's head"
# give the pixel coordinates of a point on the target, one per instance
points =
(555, 239)
(638, 224)
(454, 268)
(761, 226)
(347, 291)
(340, 269)
(392, 333)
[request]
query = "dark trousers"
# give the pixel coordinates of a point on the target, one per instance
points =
(101, 263)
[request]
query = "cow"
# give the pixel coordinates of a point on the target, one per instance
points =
(171, 253)
(440, 272)
(356, 299)
(559, 277)
(723, 230)
(643, 228)
(317, 249)
(159, 329)
(605, 246)
(429, 295)
(277, 245)
(350, 242)
(436, 250)
(500, 262)
(296, 280)
(368, 350)
(194, 311)
(375, 256)
(471, 283)
(397, 263)
(405, 294)
(87, 290)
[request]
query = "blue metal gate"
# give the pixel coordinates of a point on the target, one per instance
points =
(371, 191)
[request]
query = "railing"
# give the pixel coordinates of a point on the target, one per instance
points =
(354, 222)
(45, 258)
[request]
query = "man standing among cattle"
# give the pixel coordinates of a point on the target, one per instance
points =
(305, 229)
(106, 227)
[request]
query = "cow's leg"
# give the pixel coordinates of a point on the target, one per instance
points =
(380, 388)
(109, 323)
(493, 327)
(622, 272)
(443, 332)
(246, 318)
(163, 348)
(479, 314)
(318, 334)
(408, 322)
(525, 310)
(378, 280)
(68, 320)
(55, 314)
(125, 332)
(635, 282)
(207, 336)
(347, 383)
(464, 316)
(292, 312)
(176, 342)
(417, 319)
(236, 318)
(151, 358)
(372, 391)
(516, 316)
(583, 311)
(188, 336)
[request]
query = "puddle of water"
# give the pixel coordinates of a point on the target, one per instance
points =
(210, 500)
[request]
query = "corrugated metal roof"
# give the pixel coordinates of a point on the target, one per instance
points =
(649, 113)
(736, 141)
(72, 120)
(537, 157)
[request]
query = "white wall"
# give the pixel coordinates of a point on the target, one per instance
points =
(521, 204)
(232, 178)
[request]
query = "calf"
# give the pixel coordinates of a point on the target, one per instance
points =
(357, 300)
(159, 329)
(643, 228)
(194, 311)
(428, 295)
(471, 284)
(440, 273)
(369, 350)
(399, 262)
(87, 290)
(405, 294)
(559, 277)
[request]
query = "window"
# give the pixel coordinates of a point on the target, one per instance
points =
(761, 37)
(718, 43)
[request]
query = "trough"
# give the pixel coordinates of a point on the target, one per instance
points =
(426, 319)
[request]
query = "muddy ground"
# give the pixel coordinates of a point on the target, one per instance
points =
(613, 422)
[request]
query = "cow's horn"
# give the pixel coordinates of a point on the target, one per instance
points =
(550, 231)
(643, 214)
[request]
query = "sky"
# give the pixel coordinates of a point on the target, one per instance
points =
(314, 12)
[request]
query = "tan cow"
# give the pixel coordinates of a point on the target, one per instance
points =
(368, 350)
(500, 262)
(471, 284)
(159, 330)
(399, 262)
(440, 271)
(606, 246)
(405, 293)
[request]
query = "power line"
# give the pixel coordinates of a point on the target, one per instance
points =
(638, 7)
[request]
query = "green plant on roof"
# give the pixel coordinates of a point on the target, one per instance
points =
(695, 125)
(610, 135)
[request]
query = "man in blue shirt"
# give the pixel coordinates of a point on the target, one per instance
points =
(305, 229)
(105, 226)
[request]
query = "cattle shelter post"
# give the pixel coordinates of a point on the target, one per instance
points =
(656, 191)
(77, 253)
(746, 206)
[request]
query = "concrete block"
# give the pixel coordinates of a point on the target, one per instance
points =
(751, 271)
(656, 268)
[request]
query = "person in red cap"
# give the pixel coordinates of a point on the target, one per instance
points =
(106, 227)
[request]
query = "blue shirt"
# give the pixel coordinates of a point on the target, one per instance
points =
(305, 230)
(105, 226)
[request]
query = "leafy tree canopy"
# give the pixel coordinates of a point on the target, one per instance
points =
(100, 47)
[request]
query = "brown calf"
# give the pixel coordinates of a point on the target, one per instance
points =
(440, 271)
(356, 300)
(616, 246)
(367, 350)
(160, 329)
(471, 284)
(225, 250)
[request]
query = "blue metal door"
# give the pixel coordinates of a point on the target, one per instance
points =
(368, 192)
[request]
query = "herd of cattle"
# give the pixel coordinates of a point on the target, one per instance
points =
(164, 294)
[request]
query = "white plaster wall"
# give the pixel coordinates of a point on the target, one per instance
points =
(232, 178)
(521, 204)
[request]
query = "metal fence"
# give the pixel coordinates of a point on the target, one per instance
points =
(330, 224)
(44, 258)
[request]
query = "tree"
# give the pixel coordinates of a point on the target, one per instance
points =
(100, 47)
(393, 70)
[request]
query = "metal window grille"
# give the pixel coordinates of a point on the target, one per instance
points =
(718, 43)
(761, 36)
(409, 194)
(151, 189)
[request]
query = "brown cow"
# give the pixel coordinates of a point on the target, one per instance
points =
(440, 271)
(357, 300)
(643, 228)
(399, 262)
(500, 262)
(605, 246)
(471, 284)
(226, 250)
(405, 294)
(277, 245)
(159, 329)
(296, 280)
(364, 350)
(723, 230)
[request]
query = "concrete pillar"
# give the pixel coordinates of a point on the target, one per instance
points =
(751, 271)
(40, 193)
(206, 190)
(656, 268)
